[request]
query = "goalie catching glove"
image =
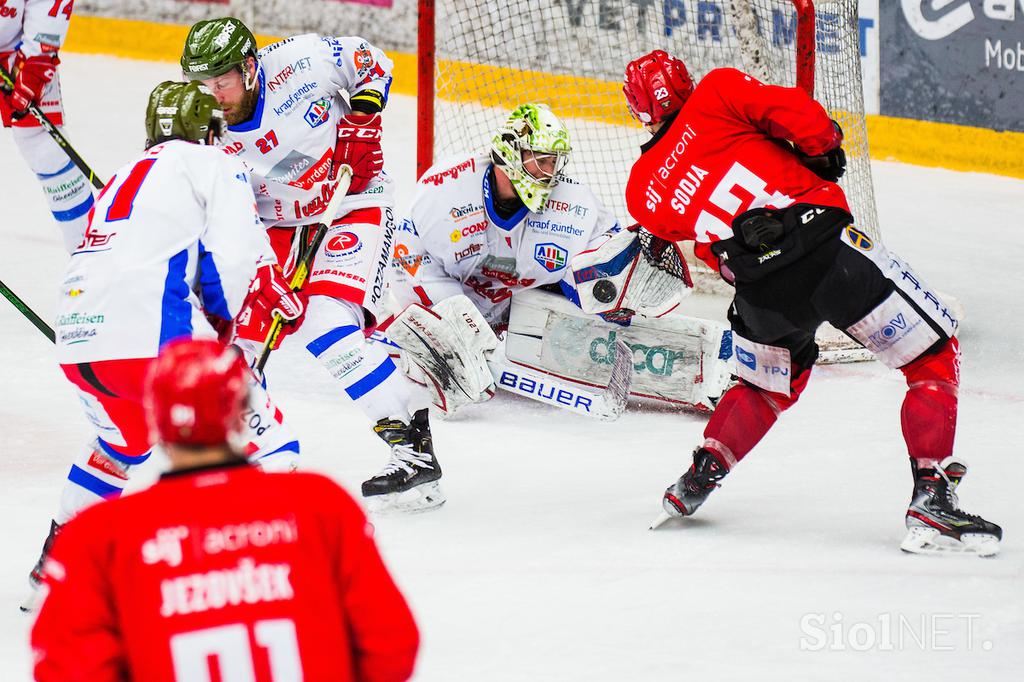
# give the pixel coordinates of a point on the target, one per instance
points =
(269, 294)
(448, 343)
(358, 145)
(634, 270)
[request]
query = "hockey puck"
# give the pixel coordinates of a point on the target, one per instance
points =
(605, 291)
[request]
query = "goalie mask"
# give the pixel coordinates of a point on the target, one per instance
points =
(656, 87)
(532, 148)
(182, 111)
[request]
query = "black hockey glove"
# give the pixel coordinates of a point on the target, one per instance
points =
(829, 166)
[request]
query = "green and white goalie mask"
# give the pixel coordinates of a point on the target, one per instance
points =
(532, 147)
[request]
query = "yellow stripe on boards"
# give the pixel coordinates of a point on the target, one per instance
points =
(925, 143)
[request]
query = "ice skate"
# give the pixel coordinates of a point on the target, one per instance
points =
(409, 482)
(936, 525)
(686, 495)
(35, 578)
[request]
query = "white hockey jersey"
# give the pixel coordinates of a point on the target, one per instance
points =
(174, 233)
(34, 26)
(453, 242)
(289, 141)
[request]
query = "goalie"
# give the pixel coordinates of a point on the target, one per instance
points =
(480, 230)
(748, 171)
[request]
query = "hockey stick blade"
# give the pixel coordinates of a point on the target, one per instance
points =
(607, 404)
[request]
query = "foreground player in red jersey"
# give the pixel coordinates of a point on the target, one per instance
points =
(748, 172)
(219, 571)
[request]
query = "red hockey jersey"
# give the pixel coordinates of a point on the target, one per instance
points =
(223, 574)
(726, 152)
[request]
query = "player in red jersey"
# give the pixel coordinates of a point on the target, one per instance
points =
(220, 570)
(748, 172)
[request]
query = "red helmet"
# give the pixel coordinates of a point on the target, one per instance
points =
(195, 393)
(656, 86)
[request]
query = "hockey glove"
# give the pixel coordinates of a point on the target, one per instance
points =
(359, 146)
(831, 165)
(31, 76)
(269, 293)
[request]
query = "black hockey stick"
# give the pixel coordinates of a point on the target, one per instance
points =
(27, 312)
(7, 85)
(309, 252)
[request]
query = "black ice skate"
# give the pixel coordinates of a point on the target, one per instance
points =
(686, 495)
(409, 481)
(935, 524)
(35, 578)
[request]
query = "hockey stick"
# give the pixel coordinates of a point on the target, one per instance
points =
(27, 312)
(607, 404)
(306, 260)
(7, 85)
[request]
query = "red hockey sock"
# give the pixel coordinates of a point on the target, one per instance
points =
(744, 415)
(929, 410)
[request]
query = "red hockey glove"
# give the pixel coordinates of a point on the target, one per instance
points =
(269, 293)
(359, 146)
(31, 76)
(831, 165)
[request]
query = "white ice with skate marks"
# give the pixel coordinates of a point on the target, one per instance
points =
(540, 565)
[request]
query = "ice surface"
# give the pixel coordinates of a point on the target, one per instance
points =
(540, 566)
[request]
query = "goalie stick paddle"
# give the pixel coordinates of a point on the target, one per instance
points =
(306, 260)
(27, 312)
(7, 85)
(607, 404)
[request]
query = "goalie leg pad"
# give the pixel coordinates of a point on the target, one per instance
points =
(448, 343)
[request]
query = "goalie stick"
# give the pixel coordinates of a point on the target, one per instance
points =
(7, 85)
(306, 260)
(607, 404)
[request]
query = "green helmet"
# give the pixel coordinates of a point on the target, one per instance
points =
(215, 46)
(182, 111)
(532, 129)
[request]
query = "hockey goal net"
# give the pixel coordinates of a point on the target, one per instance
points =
(481, 58)
(487, 57)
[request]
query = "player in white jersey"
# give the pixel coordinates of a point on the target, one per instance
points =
(31, 33)
(291, 125)
(172, 246)
(489, 227)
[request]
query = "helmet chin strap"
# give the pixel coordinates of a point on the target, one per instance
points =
(249, 85)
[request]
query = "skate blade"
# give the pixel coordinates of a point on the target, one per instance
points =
(33, 601)
(921, 540)
(663, 518)
(422, 498)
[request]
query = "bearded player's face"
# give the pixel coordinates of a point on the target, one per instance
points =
(229, 89)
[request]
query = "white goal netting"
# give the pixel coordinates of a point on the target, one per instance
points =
(571, 54)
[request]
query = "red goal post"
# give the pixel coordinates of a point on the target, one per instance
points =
(478, 59)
